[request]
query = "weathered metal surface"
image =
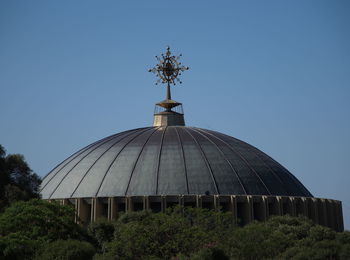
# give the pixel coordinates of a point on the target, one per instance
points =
(169, 160)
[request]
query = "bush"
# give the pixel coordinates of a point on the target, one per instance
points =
(145, 235)
(17, 247)
(39, 219)
(25, 226)
(102, 232)
(210, 253)
(66, 250)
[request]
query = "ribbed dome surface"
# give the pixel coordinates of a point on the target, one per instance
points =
(169, 160)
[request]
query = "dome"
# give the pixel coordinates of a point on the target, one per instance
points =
(169, 164)
(169, 160)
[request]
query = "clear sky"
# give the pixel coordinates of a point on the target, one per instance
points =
(275, 74)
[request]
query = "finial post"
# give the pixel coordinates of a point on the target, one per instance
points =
(168, 94)
(168, 112)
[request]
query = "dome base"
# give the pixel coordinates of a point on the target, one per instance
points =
(244, 208)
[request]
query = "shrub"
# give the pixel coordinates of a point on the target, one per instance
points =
(102, 232)
(25, 226)
(66, 250)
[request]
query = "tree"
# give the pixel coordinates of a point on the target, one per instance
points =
(102, 232)
(17, 180)
(26, 226)
(146, 235)
(66, 250)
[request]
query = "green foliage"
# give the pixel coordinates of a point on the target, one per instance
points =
(343, 239)
(24, 226)
(46, 230)
(210, 253)
(102, 232)
(192, 233)
(17, 180)
(17, 246)
(40, 219)
(66, 250)
(139, 235)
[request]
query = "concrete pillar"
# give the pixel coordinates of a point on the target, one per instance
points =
(65, 202)
(198, 203)
(245, 209)
(83, 211)
(263, 208)
(128, 204)
(181, 200)
(259, 208)
(322, 214)
(266, 205)
(96, 209)
(313, 211)
(216, 201)
(145, 203)
(335, 214)
(274, 205)
(292, 206)
(305, 207)
(112, 208)
(163, 203)
(233, 202)
(92, 210)
(339, 214)
(250, 210)
(280, 205)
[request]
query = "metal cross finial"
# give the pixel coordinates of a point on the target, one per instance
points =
(168, 69)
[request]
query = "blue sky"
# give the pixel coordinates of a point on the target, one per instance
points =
(275, 74)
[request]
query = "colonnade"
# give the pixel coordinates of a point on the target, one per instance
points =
(244, 208)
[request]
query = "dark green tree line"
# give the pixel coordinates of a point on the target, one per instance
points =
(37, 229)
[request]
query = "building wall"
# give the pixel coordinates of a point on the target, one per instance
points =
(244, 209)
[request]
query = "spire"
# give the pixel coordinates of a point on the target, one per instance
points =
(168, 70)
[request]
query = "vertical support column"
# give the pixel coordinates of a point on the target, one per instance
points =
(330, 214)
(244, 209)
(315, 210)
(92, 209)
(216, 201)
(279, 205)
(259, 208)
(233, 202)
(181, 201)
(145, 203)
(112, 208)
(340, 216)
(163, 203)
(274, 206)
(83, 214)
(249, 212)
(320, 214)
(305, 207)
(198, 201)
(263, 208)
(323, 206)
(292, 206)
(64, 202)
(128, 204)
(96, 209)
(76, 208)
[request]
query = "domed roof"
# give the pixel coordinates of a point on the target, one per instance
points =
(169, 160)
